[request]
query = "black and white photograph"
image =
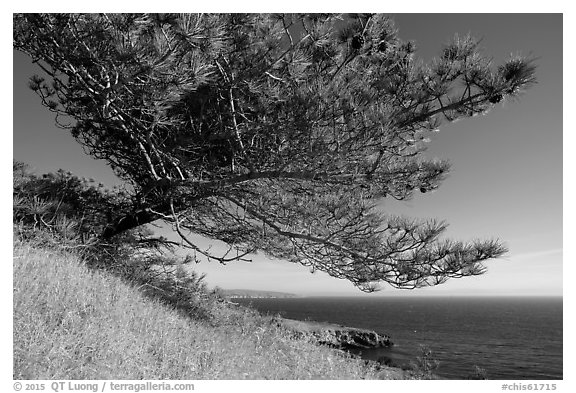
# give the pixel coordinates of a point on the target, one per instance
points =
(226, 196)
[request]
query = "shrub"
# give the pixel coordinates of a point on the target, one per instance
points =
(425, 364)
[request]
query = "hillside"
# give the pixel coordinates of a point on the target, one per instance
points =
(71, 322)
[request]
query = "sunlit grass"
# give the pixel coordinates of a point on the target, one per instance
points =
(71, 322)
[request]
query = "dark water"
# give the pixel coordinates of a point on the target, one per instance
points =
(510, 338)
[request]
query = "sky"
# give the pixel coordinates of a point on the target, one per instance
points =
(505, 183)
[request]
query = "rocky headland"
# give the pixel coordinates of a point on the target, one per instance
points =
(349, 339)
(338, 336)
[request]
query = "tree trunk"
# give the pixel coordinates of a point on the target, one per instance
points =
(131, 221)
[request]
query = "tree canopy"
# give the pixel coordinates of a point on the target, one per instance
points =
(272, 133)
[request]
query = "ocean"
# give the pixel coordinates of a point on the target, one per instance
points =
(510, 338)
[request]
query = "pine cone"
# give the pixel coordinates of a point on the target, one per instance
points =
(357, 41)
(382, 46)
(496, 98)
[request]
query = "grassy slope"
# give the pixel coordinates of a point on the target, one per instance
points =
(74, 323)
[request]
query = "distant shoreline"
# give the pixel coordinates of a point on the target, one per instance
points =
(256, 294)
(286, 295)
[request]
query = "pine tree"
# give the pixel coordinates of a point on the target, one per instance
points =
(272, 133)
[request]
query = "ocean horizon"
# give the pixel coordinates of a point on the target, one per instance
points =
(509, 337)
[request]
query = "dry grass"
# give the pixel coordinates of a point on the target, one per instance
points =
(71, 322)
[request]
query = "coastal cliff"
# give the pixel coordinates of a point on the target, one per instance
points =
(338, 336)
